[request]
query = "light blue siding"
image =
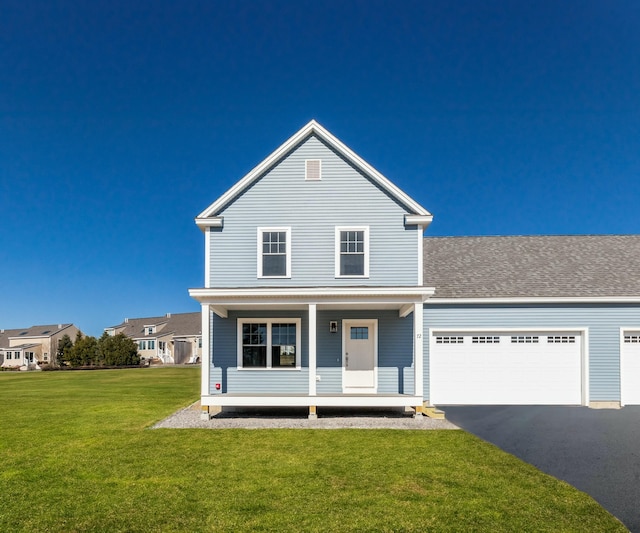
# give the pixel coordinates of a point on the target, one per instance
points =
(225, 358)
(395, 355)
(602, 322)
(344, 197)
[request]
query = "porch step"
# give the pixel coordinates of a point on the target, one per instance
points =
(433, 412)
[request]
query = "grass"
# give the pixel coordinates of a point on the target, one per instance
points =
(76, 456)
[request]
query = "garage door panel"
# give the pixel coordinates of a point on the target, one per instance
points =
(630, 368)
(506, 368)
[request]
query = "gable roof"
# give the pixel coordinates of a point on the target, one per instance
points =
(552, 266)
(312, 128)
(180, 324)
(30, 332)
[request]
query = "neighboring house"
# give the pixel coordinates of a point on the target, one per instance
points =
(30, 347)
(170, 339)
(320, 290)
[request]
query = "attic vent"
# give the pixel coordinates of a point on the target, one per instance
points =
(313, 170)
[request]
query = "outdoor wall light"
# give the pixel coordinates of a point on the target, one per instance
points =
(333, 326)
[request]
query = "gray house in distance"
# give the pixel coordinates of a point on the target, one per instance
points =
(321, 290)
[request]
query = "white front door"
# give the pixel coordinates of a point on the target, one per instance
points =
(360, 356)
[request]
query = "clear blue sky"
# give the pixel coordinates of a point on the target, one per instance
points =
(120, 121)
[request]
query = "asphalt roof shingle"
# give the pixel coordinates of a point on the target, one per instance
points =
(580, 266)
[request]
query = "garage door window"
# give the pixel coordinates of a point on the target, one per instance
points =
(449, 340)
(561, 339)
(632, 339)
(485, 340)
(524, 339)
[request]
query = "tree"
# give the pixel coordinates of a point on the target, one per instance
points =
(84, 351)
(117, 350)
(64, 345)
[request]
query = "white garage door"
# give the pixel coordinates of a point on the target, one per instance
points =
(502, 368)
(630, 368)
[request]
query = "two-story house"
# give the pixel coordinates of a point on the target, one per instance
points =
(321, 290)
(30, 347)
(174, 338)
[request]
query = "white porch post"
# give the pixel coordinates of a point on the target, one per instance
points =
(418, 350)
(312, 349)
(206, 348)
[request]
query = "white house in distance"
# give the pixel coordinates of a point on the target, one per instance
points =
(30, 347)
(170, 339)
(321, 290)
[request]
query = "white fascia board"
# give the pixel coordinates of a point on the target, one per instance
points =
(537, 300)
(320, 293)
(418, 220)
(312, 128)
(211, 222)
(512, 329)
(267, 400)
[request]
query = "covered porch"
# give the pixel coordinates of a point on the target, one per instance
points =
(357, 347)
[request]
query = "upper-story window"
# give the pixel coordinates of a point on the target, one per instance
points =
(150, 330)
(352, 252)
(274, 252)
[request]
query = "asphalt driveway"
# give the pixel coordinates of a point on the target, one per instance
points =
(596, 451)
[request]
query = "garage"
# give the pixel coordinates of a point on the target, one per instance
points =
(630, 368)
(506, 367)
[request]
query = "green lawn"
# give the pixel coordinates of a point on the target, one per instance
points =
(76, 456)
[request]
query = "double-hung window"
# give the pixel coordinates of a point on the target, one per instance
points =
(269, 343)
(352, 252)
(274, 252)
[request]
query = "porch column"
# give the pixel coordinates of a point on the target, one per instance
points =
(312, 349)
(418, 350)
(206, 348)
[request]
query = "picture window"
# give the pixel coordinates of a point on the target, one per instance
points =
(269, 344)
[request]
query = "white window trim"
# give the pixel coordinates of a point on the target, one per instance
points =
(364, 229)
(306, 167)
(287, 230)
(269, 322)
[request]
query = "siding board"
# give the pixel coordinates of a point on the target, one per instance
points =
(312, 209)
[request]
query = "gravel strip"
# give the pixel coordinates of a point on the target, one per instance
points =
(189, 417)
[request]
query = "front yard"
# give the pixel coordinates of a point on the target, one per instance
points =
(76, 456)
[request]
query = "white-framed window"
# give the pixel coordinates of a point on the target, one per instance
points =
(9, 355)
(274, 252)
(151, 344)
(142, 345)
(269, 343)
(312, 169)
(352, 251)
(150, 330)
(199, 342)
(162, 346)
